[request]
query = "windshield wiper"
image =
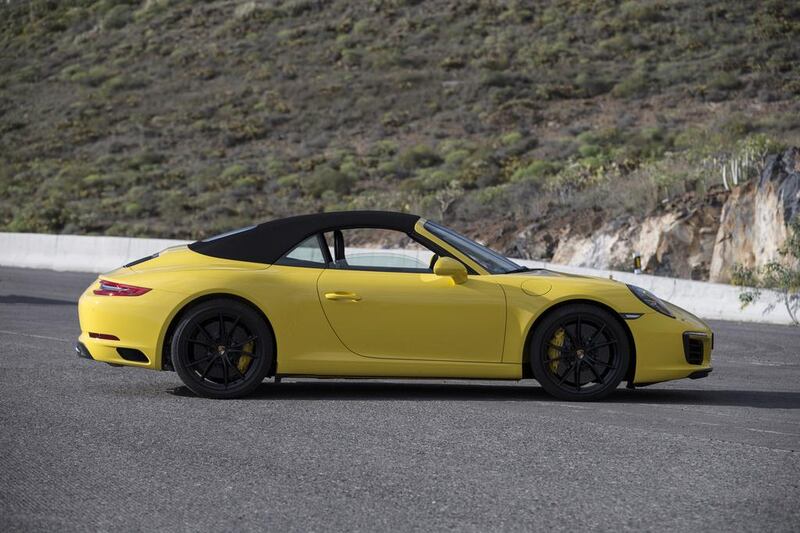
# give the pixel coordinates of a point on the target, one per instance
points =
(518, 270)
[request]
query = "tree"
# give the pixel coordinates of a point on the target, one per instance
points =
(775, 276)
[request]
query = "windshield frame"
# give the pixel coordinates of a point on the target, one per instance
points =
(491, 261)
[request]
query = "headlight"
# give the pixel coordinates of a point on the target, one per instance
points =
(651, 300)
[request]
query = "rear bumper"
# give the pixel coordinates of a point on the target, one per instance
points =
(82, 351)
(125, 330)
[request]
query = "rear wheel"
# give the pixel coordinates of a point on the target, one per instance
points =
(579, 352)
(222, 349)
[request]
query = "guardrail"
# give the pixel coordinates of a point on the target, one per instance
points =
(81, 253)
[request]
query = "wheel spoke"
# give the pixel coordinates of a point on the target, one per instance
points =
(224, 370)
(204, 332)
(222, 334)
(596, 374)
(210, 364)
(230, 363)
(594, 361)
(578, 329)
(202, 343)
(244, 342)
(198, 361)
(578, 375)
(566, 374)
(603, 345)
(241, 350)
(572, 343)
(553, 360)
(595, 335)
(233, 328)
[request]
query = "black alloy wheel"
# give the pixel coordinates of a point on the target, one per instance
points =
(579, 352)
(222, 349)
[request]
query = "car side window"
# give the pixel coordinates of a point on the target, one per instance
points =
(377, 249)
(308, 254)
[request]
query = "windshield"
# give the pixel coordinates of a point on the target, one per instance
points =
(488, 259)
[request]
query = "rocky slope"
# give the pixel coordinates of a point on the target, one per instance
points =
(181, 119)
(746, 225)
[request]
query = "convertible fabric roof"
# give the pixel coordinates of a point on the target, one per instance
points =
(268, 242)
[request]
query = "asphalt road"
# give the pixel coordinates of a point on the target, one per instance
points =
(87, 446)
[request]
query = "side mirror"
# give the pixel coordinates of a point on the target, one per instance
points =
(447, 266)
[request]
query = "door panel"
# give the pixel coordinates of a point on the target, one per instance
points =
(403, 315)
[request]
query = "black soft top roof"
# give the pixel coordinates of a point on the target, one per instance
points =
(268, 242)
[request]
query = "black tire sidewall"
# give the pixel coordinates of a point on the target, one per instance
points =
(252, 320)
(537, 340)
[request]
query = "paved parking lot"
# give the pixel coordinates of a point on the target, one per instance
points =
(87, 446)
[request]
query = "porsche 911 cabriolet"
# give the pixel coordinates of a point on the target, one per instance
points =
(314, 296)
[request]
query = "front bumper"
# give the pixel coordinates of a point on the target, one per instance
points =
(671, 348)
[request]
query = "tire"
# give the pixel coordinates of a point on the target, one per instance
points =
(579, 352)
(222, 349)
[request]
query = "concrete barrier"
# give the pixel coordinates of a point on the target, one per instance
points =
(76, 253)
(81, 253)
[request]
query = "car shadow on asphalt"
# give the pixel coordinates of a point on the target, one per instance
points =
(398, 391)
(33, 300)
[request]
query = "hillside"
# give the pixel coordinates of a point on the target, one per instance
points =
(174, 118)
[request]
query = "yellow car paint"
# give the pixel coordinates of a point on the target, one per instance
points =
(536, 287)
(451, 268)
(403, 315)
(381, 324)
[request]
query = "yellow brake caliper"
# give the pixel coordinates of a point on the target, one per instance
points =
(244, 360)
(554, 351)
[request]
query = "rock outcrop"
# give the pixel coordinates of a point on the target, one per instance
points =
(754, 221)
(747, 225)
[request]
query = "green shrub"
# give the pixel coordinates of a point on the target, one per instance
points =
(117, 17)
(456, 157)
(592, 84)
(146, 159)
(382, 149)
(295, 8)
(326, 178)
(419, 156)
(641, 12)
(132, 209)
(589, 150)
(634, 86)
(535, 171)
(124, 82)
(511, 138)
(233, 171)
(725, 81)
(93, 77)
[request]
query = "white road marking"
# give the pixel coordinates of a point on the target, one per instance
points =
(33, 336)
(770, 431)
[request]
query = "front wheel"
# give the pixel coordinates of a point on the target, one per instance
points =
(579, 352)
(222, 349)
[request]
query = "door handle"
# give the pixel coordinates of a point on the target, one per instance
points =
(342, 295)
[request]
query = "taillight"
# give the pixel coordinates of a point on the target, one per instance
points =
(104, 336)
(110, 288)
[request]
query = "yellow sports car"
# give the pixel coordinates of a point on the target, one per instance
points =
(300, 297)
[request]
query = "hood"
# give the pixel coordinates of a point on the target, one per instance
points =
(538, 282)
